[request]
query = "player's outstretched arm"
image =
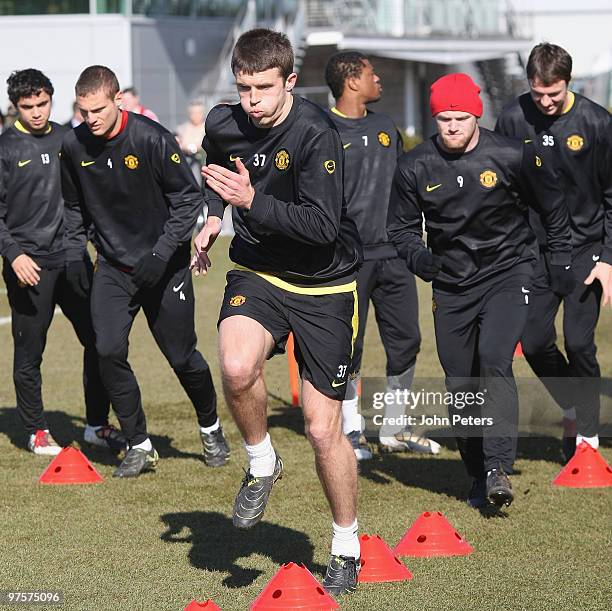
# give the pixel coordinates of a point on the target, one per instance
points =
(200, 262)
(233, 188)
(75, 227)
(405, 227)
(25, 267)
(316, 220)
(184, 197)
(539, 187)
(602, 270)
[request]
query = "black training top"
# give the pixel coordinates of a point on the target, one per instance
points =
(136, 189)
(31, 205)
(473, 208)
(297, 228)
(371, 145)
(578, 144)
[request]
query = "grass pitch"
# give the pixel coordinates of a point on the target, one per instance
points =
(166, 538)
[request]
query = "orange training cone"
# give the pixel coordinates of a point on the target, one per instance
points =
(432, 535)
(293, 587)
(586, 469)
(294, 372)
(378, 562)
(70, 466)
(209, 605)
(518, 351)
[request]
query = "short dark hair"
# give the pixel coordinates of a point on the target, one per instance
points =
(131, 90)
(26, 83)
(342, 66)
(94, 78)
(549, 63)
(262, 49)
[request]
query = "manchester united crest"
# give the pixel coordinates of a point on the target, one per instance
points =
(282, 159)
(575, 142)
(384, 139)
(131, 161)
(237, 300)
(488, 179)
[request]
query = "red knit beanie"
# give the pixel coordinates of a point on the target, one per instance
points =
(455, 92)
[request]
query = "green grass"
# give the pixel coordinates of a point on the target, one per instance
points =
(166, 538)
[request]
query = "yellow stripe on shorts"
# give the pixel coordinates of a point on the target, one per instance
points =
(350, 287)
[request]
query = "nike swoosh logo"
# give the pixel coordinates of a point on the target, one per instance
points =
(84, 164)
(345, 146)
(176, 289)
(430, 188)
(528, 141)
(22, 163)
(595, 257)
(335, 384)
(234, 157)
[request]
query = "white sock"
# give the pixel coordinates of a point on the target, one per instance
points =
(345, 541)
(395, 412)
(210, 429)
(592, 441)
(145, 445)
(351, 418)
(262, 457)
(570, 413)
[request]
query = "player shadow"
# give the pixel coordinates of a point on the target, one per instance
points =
(435, 474)
(165, 449)
(64, 428)
(68, 430)
(540, 447)
(216, 545)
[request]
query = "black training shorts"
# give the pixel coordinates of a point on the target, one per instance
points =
(324, 325)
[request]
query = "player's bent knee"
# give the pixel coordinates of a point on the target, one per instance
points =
(111, 351)
(324, 431)
(579, 346)
(239, 373)
(536, 345)
(493, 362)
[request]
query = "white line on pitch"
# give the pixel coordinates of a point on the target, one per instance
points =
(6, 320)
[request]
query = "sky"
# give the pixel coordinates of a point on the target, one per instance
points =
(583, 28)
(556, 5)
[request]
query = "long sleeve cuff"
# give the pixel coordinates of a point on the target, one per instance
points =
(260, 207)
(606, 254)
(561, 258)
(215, 208)
(12, 252)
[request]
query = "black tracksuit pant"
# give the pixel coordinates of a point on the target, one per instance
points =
(392, 288)
(31, 312)
(572, 381)
(169, 309)
(477, 330)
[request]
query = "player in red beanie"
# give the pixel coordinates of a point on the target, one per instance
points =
(469, 184)
(455, 92)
